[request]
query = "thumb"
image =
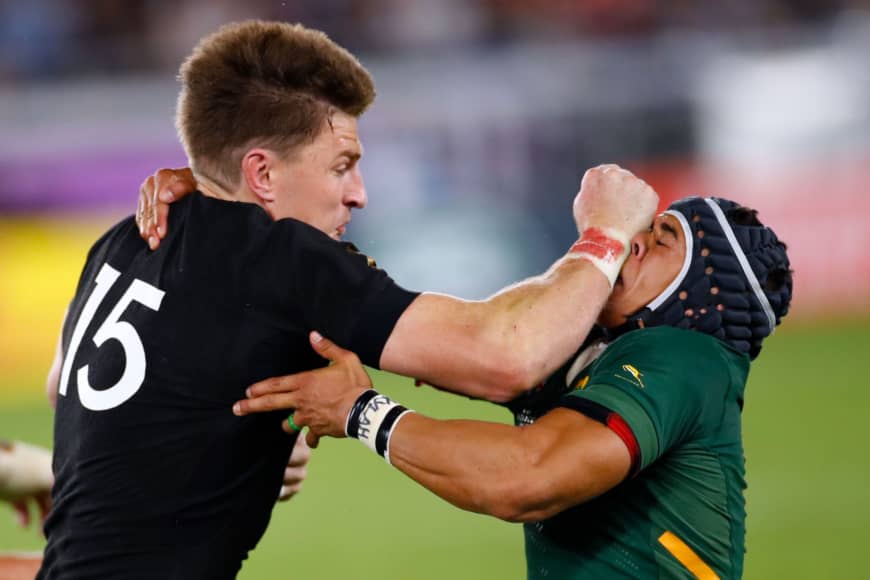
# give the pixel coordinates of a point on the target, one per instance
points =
(325, 347)
(312, 439)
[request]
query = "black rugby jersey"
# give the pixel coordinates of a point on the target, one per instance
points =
(155, 476)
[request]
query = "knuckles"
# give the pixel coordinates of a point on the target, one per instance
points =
(164, 174)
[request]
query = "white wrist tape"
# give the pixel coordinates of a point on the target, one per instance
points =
(372, 420)
(25, 470)
(606, 248)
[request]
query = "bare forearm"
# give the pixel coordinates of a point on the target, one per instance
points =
(474, 465)
(543, 320)
(497, 348)
(513, 473)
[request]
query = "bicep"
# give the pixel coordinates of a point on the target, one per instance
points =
(581, 459)
(513, 473)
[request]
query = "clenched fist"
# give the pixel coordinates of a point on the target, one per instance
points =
(612, 206)
(614, 198)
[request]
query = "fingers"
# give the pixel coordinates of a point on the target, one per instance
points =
(285, 384)
(164, 180)
(146, 212)
(265, 403)
(301, 453)
(312, 439)
(294, 475)
(155, 195)
(22, 513)
(175, 184)
(141, 205)
(288, 491)
(328, 349)
(158, 206)
(162, 219)
(44, 503)
(293, 478)
(150, 215)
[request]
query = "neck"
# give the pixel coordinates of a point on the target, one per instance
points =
(211, 188)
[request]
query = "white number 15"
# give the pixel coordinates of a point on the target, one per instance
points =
(124, 332)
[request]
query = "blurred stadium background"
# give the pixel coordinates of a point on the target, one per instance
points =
(488, 113)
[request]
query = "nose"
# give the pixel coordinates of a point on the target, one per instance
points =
(355, 193)
(640, 244)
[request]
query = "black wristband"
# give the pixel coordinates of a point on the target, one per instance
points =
(352, 427)
(372, 419)
(383, 436)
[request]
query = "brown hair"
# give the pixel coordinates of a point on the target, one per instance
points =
(268, 84)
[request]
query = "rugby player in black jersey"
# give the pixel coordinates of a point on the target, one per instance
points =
(155, 477)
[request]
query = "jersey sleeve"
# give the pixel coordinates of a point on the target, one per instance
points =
(342, 294)
(661, 384)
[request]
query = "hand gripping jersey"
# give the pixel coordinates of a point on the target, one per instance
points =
(156, 478)
(680, 514)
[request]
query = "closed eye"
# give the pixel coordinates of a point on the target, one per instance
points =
(668, 233)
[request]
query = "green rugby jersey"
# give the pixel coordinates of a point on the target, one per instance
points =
(681, 514)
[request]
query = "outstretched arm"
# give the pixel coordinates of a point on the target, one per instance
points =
(500, 347)
(497, 348)
(518, 474)
(513, 473)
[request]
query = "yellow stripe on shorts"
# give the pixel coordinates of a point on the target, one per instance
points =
(687, 557)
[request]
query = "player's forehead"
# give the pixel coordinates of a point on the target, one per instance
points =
(341, 133)
(338, 138)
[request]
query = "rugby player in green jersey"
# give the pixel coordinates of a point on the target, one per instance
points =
(628, 462)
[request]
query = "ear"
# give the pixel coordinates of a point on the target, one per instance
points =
(257, 170)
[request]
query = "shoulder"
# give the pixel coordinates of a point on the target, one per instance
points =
(310, 245)
(666, 346)
(665, 383)
(121, 230)
(663, 338)
(667, 363)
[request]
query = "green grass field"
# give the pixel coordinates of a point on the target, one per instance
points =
(808, 470)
